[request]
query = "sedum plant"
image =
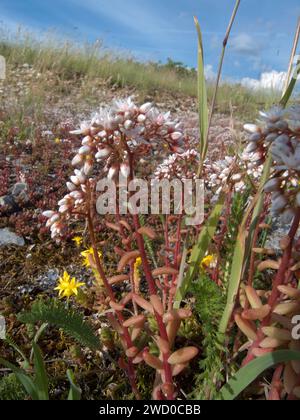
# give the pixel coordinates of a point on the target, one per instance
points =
(113, 143)
(265, 317)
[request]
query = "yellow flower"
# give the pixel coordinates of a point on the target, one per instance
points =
(57, 140)
(78, 240)
(137, 264)
(67, 286)
(207, 261)
(87, 254)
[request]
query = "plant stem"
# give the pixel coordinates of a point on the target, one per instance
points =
(279, 279)
(168, 378)
(109, 290)
(214, 99)
(152, 291)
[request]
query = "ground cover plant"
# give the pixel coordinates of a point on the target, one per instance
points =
(126, 305)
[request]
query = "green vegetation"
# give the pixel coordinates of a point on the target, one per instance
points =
(70, 62)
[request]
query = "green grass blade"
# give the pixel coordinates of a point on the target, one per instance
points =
(237, 267)
(291, 86)
(23, 378)
(202, 95)
(258, 207)
(247, 374)
(75, 391)
(199, 251)
(41, 378)
(235, 278)
(12, 343)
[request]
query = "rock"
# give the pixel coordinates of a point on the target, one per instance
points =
(10, 238)
(8, 204)
(19, 193)
(14, 202)
(279, 229)
(19, 188)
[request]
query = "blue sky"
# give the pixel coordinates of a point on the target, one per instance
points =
(156, 29)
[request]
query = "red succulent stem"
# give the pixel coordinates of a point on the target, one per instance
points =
(152, 290)
(176, 253)
(279, 279)
(168, 378)
(110, 292)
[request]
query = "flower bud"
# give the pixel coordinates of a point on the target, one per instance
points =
(176, 136)
(84, 150)
(77, 160)
(71, 186)
(183, 355)
(141, 118)
(48, 213)
(146, 107)
(102, 153)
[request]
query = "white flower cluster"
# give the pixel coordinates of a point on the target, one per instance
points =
(125, 128)
(230, 172)
(279, 132)
(178, 165)
(112, 136)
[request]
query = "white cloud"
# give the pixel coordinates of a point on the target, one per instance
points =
(209, 72)
(244, 44)
(273, 80)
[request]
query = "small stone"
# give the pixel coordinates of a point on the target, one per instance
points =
(8, 204)
(19, 188)
(10, 238)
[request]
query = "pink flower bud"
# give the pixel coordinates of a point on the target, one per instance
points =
(77, 160)
(75, 180)
(102, 153)
(88, 167)
(48, 213)
(146, 107)
(141, 118)
(80, 175)
(54, 218)
(84, 150)
(102, 134)
(71, 186)
(63, 209)
(128, 124)
(176, 136)
(87, 140)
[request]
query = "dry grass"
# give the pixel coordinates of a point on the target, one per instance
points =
(70, 62)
